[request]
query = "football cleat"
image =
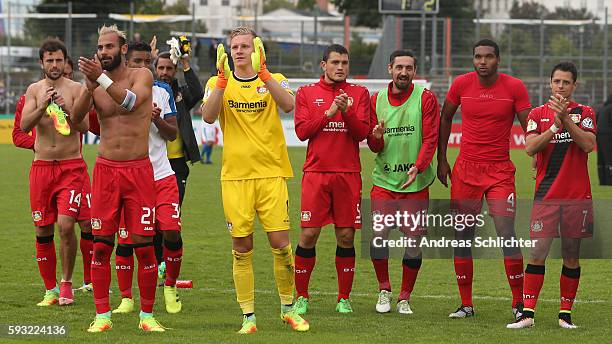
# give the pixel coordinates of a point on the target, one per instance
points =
(523, 322)
(383, 305)
(301, 305)
(403, 307)
(150, 324)
(173, 303)
(462, 312)
(295, 320)
(248, 325)
(565, 321)
(518, 310)
(161, 271)
(344, 306)
(51, 298)
(66, 296)
(100, 324)
(86, 287)
(126, 306)
(59, 118)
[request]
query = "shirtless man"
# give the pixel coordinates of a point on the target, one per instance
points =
(58, 170)
(123, 175)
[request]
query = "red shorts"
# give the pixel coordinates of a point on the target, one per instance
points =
(85, 210)
(471, 181)
(331, 198)
(571, 219)
(123, 186)
(55, 189)
(167, 209)
(387, 202)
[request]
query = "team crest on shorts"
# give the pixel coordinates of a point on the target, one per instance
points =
(96, 224)
(306, 215)
(123, 233)
(537, 226)
(36, 216)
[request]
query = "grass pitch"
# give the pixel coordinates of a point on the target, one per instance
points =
(211, 314)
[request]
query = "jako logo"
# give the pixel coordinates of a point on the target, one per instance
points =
(247, 105)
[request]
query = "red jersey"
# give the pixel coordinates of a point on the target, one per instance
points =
(563, 172)
(21, 139)
(430, 110)
(487, 114)
(333, 143)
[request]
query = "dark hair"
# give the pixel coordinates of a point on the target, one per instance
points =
(486, 43)
(334, 48)
(163, 55)
(51, 45)
(566, 67)
(138, 46)
(399, 53)
(69, 62)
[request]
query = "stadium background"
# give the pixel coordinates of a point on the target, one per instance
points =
(532, 38)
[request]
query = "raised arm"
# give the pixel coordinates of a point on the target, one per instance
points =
(213, 100)
(357, 118)
(307, 123)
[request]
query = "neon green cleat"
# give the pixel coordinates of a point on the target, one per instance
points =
(51, 298)
(86, 288)
(161, 271)
(301, 305)
(59, 118)
(248, 325)
(101, 323)
(126, 306)
(295, 320)
(344, 306)
(173, 303)
(150, 324)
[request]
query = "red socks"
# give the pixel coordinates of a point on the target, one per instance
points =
(147, 276)
(47, 261)
(173, 256)
(101, 275)
(569, 286)
(86, 245)
(305, 259)
(410, 270)
(124, 265)
(464, 270)
(345, 269)
(534, 279)
(381, 267)
(514, 273)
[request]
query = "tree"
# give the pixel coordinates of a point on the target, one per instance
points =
(271, 5)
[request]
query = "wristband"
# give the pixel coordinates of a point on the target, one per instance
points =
(554, 129)
(104, 81)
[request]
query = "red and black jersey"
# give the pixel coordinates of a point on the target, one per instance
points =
(562, 166)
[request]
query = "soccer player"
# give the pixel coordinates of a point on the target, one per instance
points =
(123, 176)
(489, 101)
(58, 171)
(562, 134)
(167, 210)
(404, 136)
(26, 141)
(334, 117)
(255, 167)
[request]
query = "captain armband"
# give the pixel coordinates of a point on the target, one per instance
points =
(129, 100)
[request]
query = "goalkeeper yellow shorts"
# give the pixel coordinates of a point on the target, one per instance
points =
(266, 197)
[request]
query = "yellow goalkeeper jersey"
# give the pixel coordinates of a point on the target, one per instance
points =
(253, 138)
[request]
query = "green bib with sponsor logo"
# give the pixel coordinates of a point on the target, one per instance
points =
(403, 138)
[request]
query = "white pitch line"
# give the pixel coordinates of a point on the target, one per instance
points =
(326, 293)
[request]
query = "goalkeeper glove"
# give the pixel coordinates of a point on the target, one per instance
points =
(258, 60)
(223, 69)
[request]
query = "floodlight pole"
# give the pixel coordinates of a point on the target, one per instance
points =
(605, 59)
(7, 86)
(423, 27)
(69, 29)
